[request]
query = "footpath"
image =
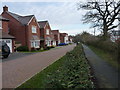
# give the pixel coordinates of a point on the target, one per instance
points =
(106, 75)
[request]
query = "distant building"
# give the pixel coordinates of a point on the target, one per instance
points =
(64, 38)
(70, 38)
(115, 36)
(56, 35)
(45, 35)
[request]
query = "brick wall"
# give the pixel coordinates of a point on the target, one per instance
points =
(5, 26)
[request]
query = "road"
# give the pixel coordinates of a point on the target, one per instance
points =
(106, 75)
(17, 71)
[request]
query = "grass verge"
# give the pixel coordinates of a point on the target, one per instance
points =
(71, 71)
(105, 56)
(32, 51)
(38, 50)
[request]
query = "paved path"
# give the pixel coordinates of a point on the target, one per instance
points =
(106, 75)
(14, 72)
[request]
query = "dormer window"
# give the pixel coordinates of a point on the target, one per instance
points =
(34, 29)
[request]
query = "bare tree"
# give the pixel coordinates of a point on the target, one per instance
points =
(102, 14)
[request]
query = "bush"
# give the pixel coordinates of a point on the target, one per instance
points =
(47, 48)
(22, 48)
(33, 49)
(52, 46)
(73, 73)
(107, 46)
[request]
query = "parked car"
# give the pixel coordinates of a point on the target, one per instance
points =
(4, 50)
(62, 44)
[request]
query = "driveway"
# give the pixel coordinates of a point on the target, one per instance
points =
(15, 55)
(106, 75)
(15, 72)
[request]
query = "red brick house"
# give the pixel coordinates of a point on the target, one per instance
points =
(4, 36)
(70, 38)
(115, 36)
(24, 28)
(45, 35)
(64, 38)
(53, 39)
(56, 35)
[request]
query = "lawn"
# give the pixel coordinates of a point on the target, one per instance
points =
(32, 51)
(70, 71)
(38, 50)
(106, 56)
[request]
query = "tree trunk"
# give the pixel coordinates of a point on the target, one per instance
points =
(105, 31)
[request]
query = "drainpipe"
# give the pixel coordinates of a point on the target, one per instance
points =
(26, 34)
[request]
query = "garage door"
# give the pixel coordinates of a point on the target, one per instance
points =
(9, 43)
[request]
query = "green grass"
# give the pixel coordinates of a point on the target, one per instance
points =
(38, 80)
(32, 51)
(70, 71)
(105, 56)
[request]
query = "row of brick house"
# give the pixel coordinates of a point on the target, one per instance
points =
(27, 31)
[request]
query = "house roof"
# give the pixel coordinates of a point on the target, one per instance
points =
(63, 34)
(5, 35)
(22, 19)
(48, 38)
(42, 23)
(3, 18)
(25, 19)
(55, 31)
(35, 37)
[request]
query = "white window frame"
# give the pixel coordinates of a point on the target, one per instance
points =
(34, 29)
(0, 24)
(35, 43)
(32, 43)
(47, 32)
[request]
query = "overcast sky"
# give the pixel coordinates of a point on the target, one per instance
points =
(61, 15)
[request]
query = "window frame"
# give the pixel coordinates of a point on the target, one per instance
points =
(33, 29)
(47, 32)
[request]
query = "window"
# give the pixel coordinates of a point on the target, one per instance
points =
(49, 43)
(37, 43)
(0, 25)
(32, 44)
(47, 31)
(34, 29)
(7, 41)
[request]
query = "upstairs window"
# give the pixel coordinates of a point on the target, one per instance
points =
(47, 31)
(0, 25)
(34, 29)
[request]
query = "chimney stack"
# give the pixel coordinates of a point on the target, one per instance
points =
(5, 8)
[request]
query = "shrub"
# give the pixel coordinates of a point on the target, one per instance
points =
(52, 46)
(22, 48)
(73, 73)
(33, 49)
(47, 48)
(107, 46)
